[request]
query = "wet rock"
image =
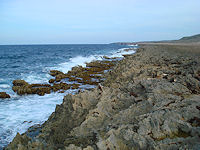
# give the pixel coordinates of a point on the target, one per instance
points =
(21, 88)
(39, 85)
(19, 83)
(60, 86)
(89, 75)
(4, 95)
(41, 90)
(55, 72)
(51, 80)
(75, 86)
(100, 64)
(106, 57)
(77, 69)
(59, 77)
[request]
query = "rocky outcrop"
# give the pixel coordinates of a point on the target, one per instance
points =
(92, 74)
(21, 87)
(150, 100)
(4, 95)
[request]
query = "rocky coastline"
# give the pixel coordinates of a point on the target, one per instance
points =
(92, 74)
(149, 100)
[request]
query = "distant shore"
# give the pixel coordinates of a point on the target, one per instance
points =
(149, 100)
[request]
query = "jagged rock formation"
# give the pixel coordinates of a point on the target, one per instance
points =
(150, 100)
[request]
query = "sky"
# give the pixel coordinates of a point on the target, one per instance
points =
(96, 21)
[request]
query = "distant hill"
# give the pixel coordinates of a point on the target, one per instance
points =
(194, 38)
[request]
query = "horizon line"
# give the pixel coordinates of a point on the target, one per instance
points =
(64, 44)
(55, 44)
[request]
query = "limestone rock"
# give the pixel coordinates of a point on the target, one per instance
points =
(21, 87)
(149, 100)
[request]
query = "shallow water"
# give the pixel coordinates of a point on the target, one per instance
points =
(32, 63)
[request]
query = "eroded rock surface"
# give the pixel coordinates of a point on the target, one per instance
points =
(21, 87)
(150, 100)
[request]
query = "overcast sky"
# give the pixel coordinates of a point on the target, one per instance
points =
(96, 21)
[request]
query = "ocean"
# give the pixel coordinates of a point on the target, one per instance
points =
(32, 64)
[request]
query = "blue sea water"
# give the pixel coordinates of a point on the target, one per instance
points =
(32, 64)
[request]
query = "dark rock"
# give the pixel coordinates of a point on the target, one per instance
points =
(195, 122)
(59, 77)
(51, 81)
(4, 95)
(75, 86)
(106, 57)
(21, 88)
(60, 86)
(19, 83)
(55, 72)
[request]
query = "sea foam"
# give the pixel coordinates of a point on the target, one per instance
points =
(21, 112)
(78, 60)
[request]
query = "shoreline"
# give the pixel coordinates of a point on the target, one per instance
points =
(150, 100)
(25, 115)
(57, 75)
(62, 88)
